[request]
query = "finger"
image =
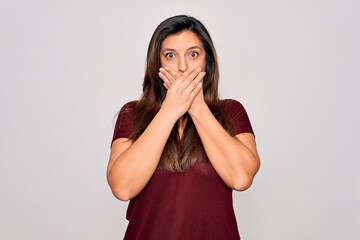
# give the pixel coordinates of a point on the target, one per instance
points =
(164, 79)
(167, 75)
(193, 83)
(187, 77)
(173, 73)
(166, 86)
(196, 91)
(181, 76)
(188, 73)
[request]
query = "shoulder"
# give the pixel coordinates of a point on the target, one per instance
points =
(128, 109)
(124, 122)
(231, 106)
(237, 116)
(129, 106)
(229, 101)
(127, 112)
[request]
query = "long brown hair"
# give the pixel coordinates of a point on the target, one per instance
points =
(178, 155)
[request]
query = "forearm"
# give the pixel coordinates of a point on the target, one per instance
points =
(132, 169)
(234, 161)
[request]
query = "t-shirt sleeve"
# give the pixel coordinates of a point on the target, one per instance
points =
(124, 123)
(237, 116)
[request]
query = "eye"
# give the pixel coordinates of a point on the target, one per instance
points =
(193, 54)
(170, 55)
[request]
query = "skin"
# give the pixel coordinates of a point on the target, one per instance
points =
(132, 164)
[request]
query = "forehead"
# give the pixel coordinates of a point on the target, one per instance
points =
(184, 39)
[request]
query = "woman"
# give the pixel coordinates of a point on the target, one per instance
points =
(179, 151)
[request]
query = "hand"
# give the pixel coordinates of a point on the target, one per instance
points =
(182, 88)
(198, 103)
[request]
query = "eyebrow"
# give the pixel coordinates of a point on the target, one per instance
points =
(173, 50)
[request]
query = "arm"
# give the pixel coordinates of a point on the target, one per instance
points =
(235, 159)
(131, 165)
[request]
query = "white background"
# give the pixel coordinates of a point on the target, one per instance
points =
(66, 68)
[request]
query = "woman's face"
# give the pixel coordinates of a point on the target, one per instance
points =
(182, 51)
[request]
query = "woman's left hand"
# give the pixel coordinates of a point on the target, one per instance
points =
(198, 101)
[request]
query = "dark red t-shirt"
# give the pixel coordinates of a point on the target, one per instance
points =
(194, 204)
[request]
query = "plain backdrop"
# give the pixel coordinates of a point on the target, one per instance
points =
(66, 68)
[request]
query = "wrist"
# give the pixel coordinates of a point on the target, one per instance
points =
(169, 114)
(198, 110)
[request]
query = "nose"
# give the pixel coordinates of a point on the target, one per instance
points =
(183, 65)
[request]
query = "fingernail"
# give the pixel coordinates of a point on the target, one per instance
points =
(199, 69)
(161, 69)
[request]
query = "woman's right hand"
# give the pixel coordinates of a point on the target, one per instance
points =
(182, 88)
